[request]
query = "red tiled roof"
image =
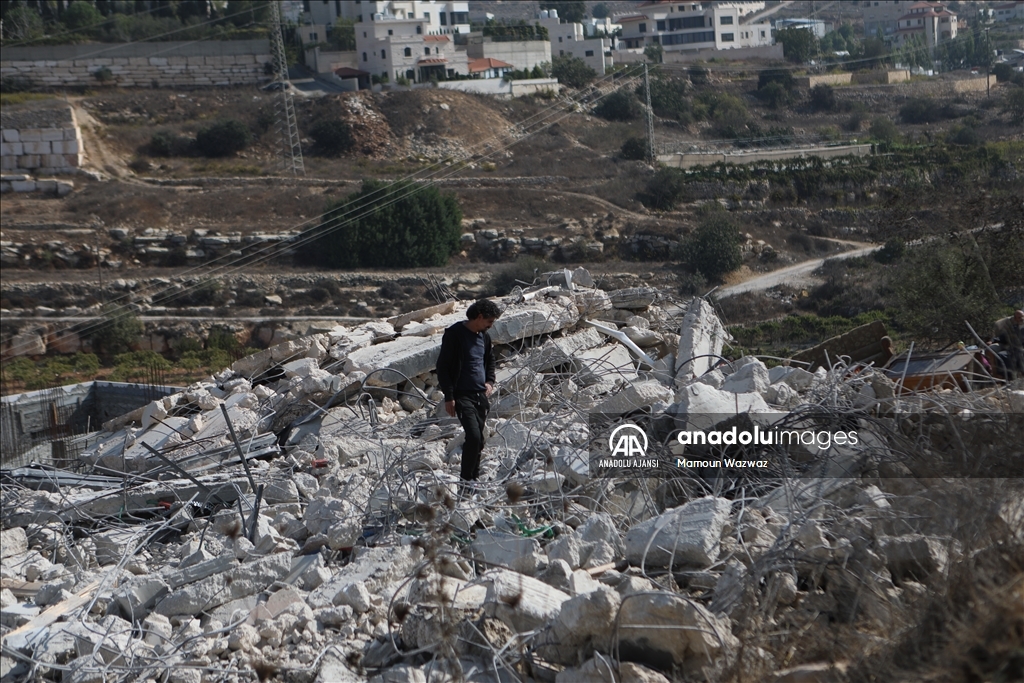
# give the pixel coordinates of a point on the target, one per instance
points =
(486, 63)
(432, 60)
(436, 39)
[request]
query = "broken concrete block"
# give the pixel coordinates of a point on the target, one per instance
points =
(750, 376)
(521, 602)
(634, 397)
(393, 362)
(633, 298)
(609, 362)
(582, 582)
(555, 352)
(701, 336)
(379, 564)
(336, 519)
(572, 463)
(355, 596)
(585, 623)
(664, 627)
(533, 319)
(157, 629)
(506, 550)
(599, 527)
(137, 596)
(699, 406)
(687, 535)
(111, 546)
(914, 556)
(795, 377)
(557, 574)
(302, 367)
(14, 541)
(281, 491)
(567, 548)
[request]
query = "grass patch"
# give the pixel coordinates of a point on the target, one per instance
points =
(10, 98)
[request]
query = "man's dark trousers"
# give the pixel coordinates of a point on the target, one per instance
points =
(472, 411)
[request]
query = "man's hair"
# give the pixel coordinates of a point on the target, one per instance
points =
(483, 307)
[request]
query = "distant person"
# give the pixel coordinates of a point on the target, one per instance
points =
(1009, 333)
(465, 374)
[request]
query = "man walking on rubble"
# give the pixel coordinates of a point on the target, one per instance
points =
(1009, 332)
(465, 374)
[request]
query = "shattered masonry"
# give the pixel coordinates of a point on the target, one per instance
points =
(299, 515)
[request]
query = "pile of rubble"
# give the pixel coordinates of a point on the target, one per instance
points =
(299, 516)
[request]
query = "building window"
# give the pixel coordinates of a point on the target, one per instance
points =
(408, 52)
(444, 19)
(410, 74)
(426, 51)
(727, 37)
(725, 21)
(419, 30)
(589, 53)
(390, 32)
(561, 53)
(685, 22)
(337, 8)
(426, 15)
(643, 28)
(559, 38)
(437, 50)
(384, 53)
(660, 24)
(762, 34)
(364, 56)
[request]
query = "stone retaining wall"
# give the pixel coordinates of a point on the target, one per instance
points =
(824, 79)
(165, 65)
(44, 139)
(883, 77)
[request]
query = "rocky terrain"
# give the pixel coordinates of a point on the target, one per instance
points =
(299, 517)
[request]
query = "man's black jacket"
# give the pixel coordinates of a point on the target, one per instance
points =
(449, 361)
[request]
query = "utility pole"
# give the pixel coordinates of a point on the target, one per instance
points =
(286, 122)
(650, 117)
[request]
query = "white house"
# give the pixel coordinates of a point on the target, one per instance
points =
(441, 17)
(932, 22)
(1008, 11)
(693, 26)
(570, 39)
(396, 48)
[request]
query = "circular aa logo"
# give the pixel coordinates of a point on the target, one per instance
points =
(628, 441)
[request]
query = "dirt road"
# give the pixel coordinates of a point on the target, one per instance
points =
(797, 275)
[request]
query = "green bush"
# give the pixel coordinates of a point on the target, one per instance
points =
(892, 251)
(223, 339)
(668, 97)
(714, 247)
(920, 110)
(572, 71)
(86, 363)
(332, 136)
(223, 138)
(855, 121)
(774, 95)
(116, 334)
(783, 77)
(884, 130)
(397, 225)
(823, 98)
(634, 148)
(165, 143)
(965, 136)
(1013, 103)
(619, 106)
(664, 190)
(699, 74)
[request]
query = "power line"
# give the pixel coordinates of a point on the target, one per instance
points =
(347, 214)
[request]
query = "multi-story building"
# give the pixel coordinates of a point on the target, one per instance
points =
(570, 39)
(693, 26)
(390, 48)
(1008, 11)
(929, 21)
(441, 17)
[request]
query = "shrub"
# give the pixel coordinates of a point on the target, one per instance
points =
(883, 130)
(965, 136)
(332, 136)
(920, 110)
(572, 71)
(892, 251)
(823, 98)
(699, 75)
(223, 138)
(524, 269)
(774, 94)
(164, 143)
(397, 225)
(116, 334)
(664, 190)
(714, 247)
(634, 148)
(783, 77)
(1013, 104)
(619, 106)
(855, 121)
(1003, 72)
(223, 339)
(668, 97)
